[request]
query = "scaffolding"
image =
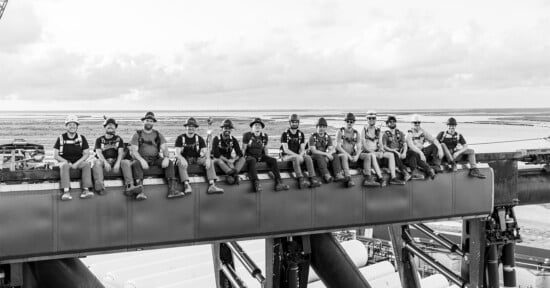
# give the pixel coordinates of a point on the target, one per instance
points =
(3, 4)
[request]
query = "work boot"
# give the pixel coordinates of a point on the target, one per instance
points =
(230, 180)
(86, 193)
(130, 189)
(339, 177)
(417, 175)
(349, 182)
(431, 173)
(302, 183)
(437, 169)
(66, 196)
(406, 176)
(257, 186)
(141, 196)
(188, 189)
(237, 179)
(315, 182)
(328, 178)
(213, 189)
(139, 187)
(395, 181)
(474, 172)
(369, 182)
(383, 182)
(454, 167)
(173, 189)
(280, 186)
(99, 188)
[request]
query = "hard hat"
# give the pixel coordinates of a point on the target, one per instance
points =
(451, 121)
(227, 124)
(257, 120)
(72, 119)
(191, 122)
(110, 121)
(294, 117)
(149, 115)
(322, 122)
(350, 116)
(371, 113)
(415, 118)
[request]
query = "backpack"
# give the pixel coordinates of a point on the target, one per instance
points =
(455, 137)
(196, 145)
(263, 139)
(300, 138)
(141, 140)
(62, 141)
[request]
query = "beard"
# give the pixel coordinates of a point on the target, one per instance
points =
(294, 127)
(392, 126)
(110, 132)
(148, 127)
(226, 133)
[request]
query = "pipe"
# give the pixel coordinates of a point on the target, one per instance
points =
(492, 266)
(247, 262)
(61, 273)
(232, 276)
(293, 276)
(508, 265)
(409, 245)
(532, 187)
(333, 265)
(442, 240)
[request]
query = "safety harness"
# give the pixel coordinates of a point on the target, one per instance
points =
(142, 141)
(76, 141)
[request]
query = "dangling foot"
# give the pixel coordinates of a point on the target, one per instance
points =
(66, 195)
(213, 189)
(86, 193)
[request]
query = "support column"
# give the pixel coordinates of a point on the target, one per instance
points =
(221, 254)
(473, 245)
(403, 258)
(508, 265)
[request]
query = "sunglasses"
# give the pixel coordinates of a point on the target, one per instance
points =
(294, 121)
(350, 121)
(371, 118)
(416, 122)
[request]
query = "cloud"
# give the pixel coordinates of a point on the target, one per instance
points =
(20, 26)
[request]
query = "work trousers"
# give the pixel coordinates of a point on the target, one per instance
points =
(297, 162)
(226, 166)
(182, 168)
(137, 169)
(414, 161)
(322, 163)
(431, 154)
(468, 154)
(271, 162)
(85, 178)
(98, 172)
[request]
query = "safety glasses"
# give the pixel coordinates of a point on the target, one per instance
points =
(350, 121)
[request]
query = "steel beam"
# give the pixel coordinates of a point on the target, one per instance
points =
(473, 245)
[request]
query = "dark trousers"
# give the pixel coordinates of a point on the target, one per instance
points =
(399, 162)
(169, 172)
(431, 155)
(322, 163)
(414, 161)
(271, 162)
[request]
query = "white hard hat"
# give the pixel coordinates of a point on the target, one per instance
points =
(371, 113)
(416, 118)
(72, 118)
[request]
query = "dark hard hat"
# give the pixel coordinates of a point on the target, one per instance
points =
(350, 116)
(191, 122)
(257, 120)
(294, 117)
(451, 121)
(322, 122)
(110, 121)
(149, 115)
(391, 118)
(227, 124)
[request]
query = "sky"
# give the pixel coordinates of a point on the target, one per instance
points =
(284, 54)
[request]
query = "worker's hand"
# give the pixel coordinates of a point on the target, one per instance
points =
(144, 164)
(403, 155)
(355, 158)
(330, 157)
(116, 168)
(106, 166)
(165, 162)
(74, 165)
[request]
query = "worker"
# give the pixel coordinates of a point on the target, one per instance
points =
(255, 150)
(393, 141)
(293, 149)
(228, 155)
(110, 154)
(323, 152)
(456, 149)
(191, 149)
(348, 145)
(148, 147)
(417, 154)
(71, 150)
